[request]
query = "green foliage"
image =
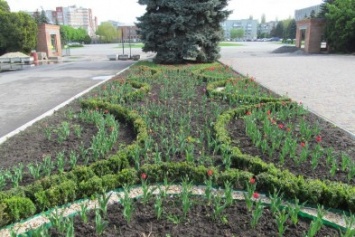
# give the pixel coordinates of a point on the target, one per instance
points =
(90, 186)
(18, 32)
(18, 207)
(69, 34)
(4, 217)
(340, 25)
(40, 18)
(4, 6)
(237, 33)
(107, 32)
(56, 195)
(179, 30)
(278, 31)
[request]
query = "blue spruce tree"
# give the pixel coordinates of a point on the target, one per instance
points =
(182, 29)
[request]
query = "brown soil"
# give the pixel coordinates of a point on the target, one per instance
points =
(342, 143)
(234, 221)
(32, 145)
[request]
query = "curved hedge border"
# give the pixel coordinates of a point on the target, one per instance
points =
(141, 90)
(212, 92)
(82, 181)
(199, 74)
(314, 191)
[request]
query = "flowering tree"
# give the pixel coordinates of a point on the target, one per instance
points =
(182, 29)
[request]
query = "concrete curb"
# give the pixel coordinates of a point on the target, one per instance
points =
(50, 112)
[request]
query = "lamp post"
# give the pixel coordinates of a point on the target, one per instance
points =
(129, 35)
(122, 40)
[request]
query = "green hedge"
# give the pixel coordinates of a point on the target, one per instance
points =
(82, 181)
(211, 91)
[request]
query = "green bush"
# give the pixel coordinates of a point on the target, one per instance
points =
(83, 173)
(4, 217)
(56, 195)
(18, 208)
(90, 187)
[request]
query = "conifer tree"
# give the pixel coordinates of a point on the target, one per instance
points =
(182, 29)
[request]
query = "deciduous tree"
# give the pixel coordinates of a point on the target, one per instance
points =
(4, 6)
(340, 25)
(237, 33)
(18, 32)
(107, 32)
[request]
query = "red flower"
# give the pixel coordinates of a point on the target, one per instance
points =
(318, 138)
(281, 126)
(256, 195)
(248, 113)
(252, 180)
(303, 144)
(144, 176)
(209, 173)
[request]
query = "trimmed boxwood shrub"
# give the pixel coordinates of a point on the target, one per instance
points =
(17, 208)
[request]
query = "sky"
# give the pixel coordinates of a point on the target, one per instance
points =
(126, 11)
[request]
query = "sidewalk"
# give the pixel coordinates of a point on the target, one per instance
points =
(325, 84)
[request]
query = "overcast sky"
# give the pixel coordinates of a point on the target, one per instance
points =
(126, 11)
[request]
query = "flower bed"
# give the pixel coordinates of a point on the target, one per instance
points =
(181, 128)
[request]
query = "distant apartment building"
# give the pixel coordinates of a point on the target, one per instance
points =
(266, 28)
(249, 26)
(307, 12)
(77, 17)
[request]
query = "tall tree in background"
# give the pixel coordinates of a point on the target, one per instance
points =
(107, 32)
(4, 6)
(340, 24)
(263, 18)
(278, 31)
(40, 17)
(69, 34)
(180, 29)
(18, 32)
(291, 30)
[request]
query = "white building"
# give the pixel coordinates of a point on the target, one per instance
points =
(249, 26)
(77, 17)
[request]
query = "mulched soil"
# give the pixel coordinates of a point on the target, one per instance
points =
(200, 221)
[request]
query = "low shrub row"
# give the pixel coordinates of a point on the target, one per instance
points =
(176, 172)
(245, 98)
(141, 89)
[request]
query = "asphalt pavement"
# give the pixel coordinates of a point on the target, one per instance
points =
(33, 92)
